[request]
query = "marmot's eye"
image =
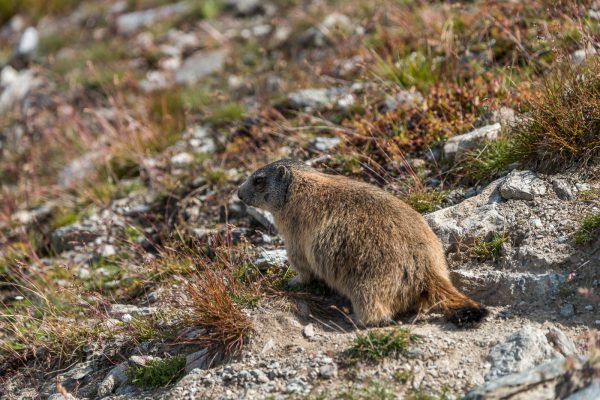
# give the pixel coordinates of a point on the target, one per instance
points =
(259, 181)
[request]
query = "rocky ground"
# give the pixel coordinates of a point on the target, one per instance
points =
(130, 269)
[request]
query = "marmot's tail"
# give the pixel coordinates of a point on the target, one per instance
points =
(458, 308)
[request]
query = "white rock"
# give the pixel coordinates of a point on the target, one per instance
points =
(131, 22)
(524, 349)
(200, 65)
(522, 185)
(29, 42)
(182, 160)
(456, 146)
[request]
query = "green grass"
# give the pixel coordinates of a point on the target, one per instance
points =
(426, 201)
(378, 344)
(216, 177)
(491, 158)
(589, 229)
(227, 114)
(489, 249)
(415, 69)
(158, 372)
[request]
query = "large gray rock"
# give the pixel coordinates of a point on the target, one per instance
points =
(131, 22)
(522, 350)
(474, 218)
(116, 378)
(263, 217)
(557, 379)
(522, 185)
(456, 146)
(200, 65)
(199, 359)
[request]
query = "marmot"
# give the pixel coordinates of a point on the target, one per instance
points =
(361, 240)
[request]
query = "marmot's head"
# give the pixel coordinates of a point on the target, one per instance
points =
(267, 187)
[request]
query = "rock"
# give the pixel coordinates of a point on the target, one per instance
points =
(199, 359)
(114, 379)
(579, 56)
(200, 140)
(248, 8)
(16, 86)
(328, 371)
(271, 257)
(79, 168)
(561, 342)
(404, 99)
(474, 218)
(182, 160)
(141, 361)
(310, 99)
(296, 386)
(261, 216)
(29, 42)
(131, 22)
(456, 146)
(505, 116)
(200, 65)
(324, 144)
(567, 310)
(522, 350)
(522, 185)
(155, 81)
(563, 189)
(117, 310)
(59, 396)
(309, 331)
(259, 376)
(540, 383)
(74, 235)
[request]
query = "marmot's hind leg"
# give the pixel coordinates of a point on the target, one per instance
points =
(370, 311)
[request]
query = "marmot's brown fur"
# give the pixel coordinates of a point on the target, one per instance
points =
(362, 241)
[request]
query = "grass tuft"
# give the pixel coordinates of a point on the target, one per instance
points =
(378, 344)
(158, 372)
(489, 249)
(426, 201)
(213, 308)
(589, 229)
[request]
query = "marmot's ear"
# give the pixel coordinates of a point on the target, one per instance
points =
(282, 172)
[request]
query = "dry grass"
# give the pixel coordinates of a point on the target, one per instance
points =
(213, 308)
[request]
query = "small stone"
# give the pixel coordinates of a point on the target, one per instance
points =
(182, 160)
(108, 250)
(29, 42)
(563, 189)
(589, 307)
(309, 98)
(567, 310)
(328, 371)
(309, 331)
(200, 65)
(404, 99)
(537, 223)
(561, 342)
(260, 376)
(271, 257)
(324, 144)
(131, 22)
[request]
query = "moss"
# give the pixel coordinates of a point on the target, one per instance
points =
(413, 70)
(64, 217)
(206, 9)
(589, 229)
(158, 372)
